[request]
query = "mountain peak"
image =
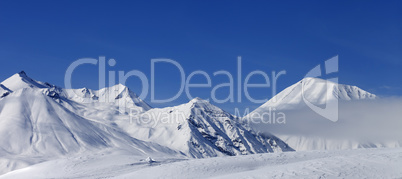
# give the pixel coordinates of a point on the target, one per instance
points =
(116, 87)
(199, 102)
(196, 100)
(120, 86)
(316, 80)
(21, 80)
(315, 90)
(199, 129)
(22, 73)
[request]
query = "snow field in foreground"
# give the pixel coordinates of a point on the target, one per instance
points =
(359, 163)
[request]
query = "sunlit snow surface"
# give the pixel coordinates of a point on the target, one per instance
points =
(358, 163)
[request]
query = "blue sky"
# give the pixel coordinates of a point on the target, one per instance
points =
(44, 38)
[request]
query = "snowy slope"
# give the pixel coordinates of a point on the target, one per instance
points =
(361, 163)
(32, 123)
(37, 127)
(199, 129)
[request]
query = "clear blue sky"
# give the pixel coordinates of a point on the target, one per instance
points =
(45, 37)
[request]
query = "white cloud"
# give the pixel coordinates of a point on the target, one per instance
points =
(359, 120)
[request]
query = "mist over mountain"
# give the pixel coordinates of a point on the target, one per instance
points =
(364, 120)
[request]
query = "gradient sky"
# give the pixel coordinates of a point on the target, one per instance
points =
(43, 38)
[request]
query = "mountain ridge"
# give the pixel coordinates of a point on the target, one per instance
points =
(200, 129)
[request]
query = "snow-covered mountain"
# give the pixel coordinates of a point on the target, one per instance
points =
(21, 80)
(33, 123)
(199, 129)
(89, 130)
(40, 121)
(317, 92)
(118, 95)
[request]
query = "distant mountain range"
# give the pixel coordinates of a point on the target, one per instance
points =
(41, 121)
